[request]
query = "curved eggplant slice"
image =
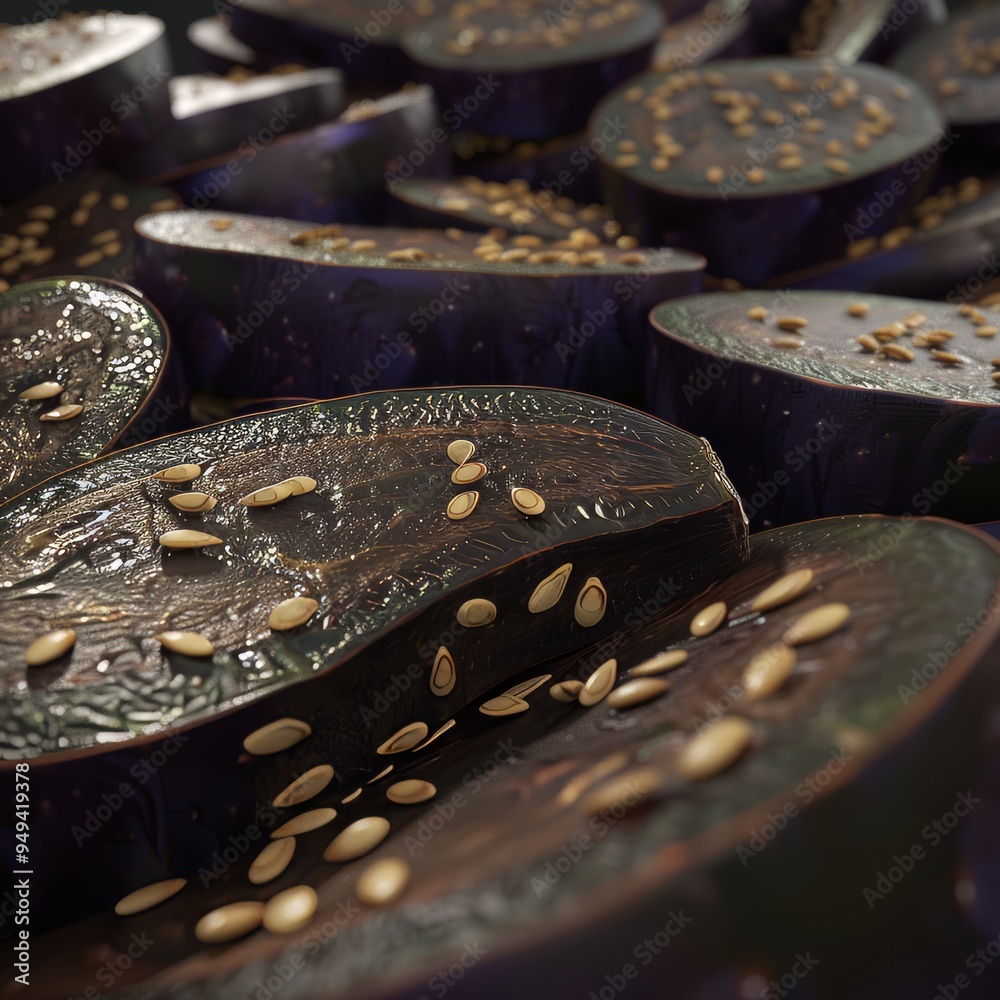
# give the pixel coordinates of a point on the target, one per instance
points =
(760, 164)
(529, 71)
(566, 827)
(331, 173)
(640, 506)
(79, 91)
(401, 307)
(82, 225)
(721, 30)
(895, 410)
(78, 342)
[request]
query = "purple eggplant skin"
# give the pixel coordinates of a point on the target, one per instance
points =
(798, 448)
(101, 118)
(215, 49)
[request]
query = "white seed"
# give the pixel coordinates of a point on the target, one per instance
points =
(276, 736)
(43, 390)
(768, 670)
(817, 624)
(714, 749)
(524, 688)
(356, 840)
(292, 613)
(599, 684)
(566, 691)
(178, 473)
(625, 791)
(305, 786)
(591, 603)
(443, 673)
(660, 663)
(528, 502)
(468, 473)
(291, 909)
(266, 496)
(503, 705)
(65, 412)
(229, 922)
(149, 896)
(637, 692)
(462, 506)
(192, 503)
(708, 619)
(384, 882)
(186, 643)
(430, 739)
(298, 485)
(461, 451)
(792, 322)
(380, 775)
(305, 823)
(272, 861)
(410, 792)
(546, 595)
(783, 591)
(49, 647)
(184, 538)
(477, 612)
(407, 737)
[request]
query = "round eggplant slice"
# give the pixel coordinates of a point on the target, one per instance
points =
(761, 165)
(318, 596)
(527, 71)
(721, 30)
(470, 203)
(335, 172)
(82, 225)
(79, 91)
(85, 367)
(688, 820)
(836, 402)
(401, 307)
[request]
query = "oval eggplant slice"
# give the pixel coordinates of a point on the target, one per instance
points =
(401, 307)
(79, 91)
(589, 827)
(762, 165)
(718, 31)
(367, 564)
(877, 403)
(75, 342)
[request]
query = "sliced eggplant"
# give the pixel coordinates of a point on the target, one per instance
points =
(720, 30)
(215, 49)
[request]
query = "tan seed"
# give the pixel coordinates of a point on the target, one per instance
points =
(461, 451)
(914, 320)
(986, 331)
(443, 673)
(356, 840)
(192, 503)
(783, 591)
(266, 496)
(186, 643)
(599, 684)
(995, 376)
(528, 502)
(566, 691)
(305, 786)
(717, 747)
(637, 692)
(625, 791)
(817, 624)
(407, 737)
(229, 922)
(430, 739)
(897, 352)
(787, 343)
(347, 799)
(524, 688)
(305, 823)
(948, 358)
(837, 165)
(66, 412)
(49, 647)
(462, 506)
(298, 485)
(869, 344)
(708, 619)
(859, 310)
(184, 538)
(291, 909)
(292, 613)
(792, 322)
(380, 775)
(503, 705)
(715, 175)
(276, 736)
(43, 390)
(546, 595)
(88, 259)
(149, 896)
(410, 792)
(591, 603)
(768, 670)
(384, 882)
(271, 861)
(660, 664)
(758, 313)
(178, 473)
(476, 613)
(468, 473)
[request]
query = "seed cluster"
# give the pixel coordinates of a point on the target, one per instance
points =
(974, 54)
